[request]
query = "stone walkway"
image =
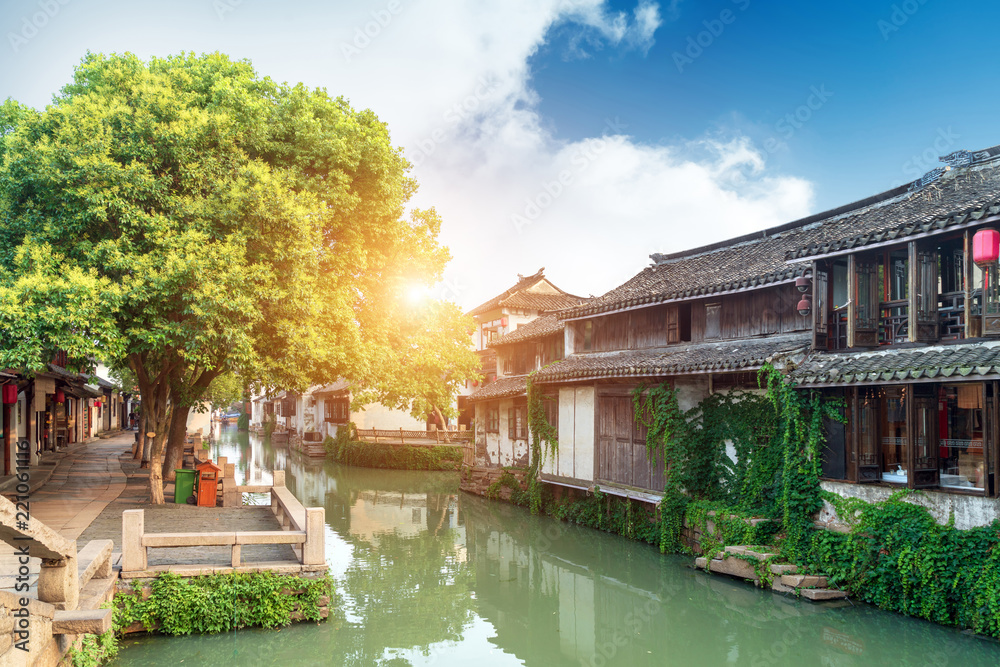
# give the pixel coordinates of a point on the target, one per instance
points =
(82, 485)
(85, 480)
(94, 482)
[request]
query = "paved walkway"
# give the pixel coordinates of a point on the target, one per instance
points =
(88, 478)
(85, 480)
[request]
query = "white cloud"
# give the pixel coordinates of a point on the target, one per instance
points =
(452, 80)
(467, 116)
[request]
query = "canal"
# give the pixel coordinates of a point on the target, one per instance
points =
(431, 576)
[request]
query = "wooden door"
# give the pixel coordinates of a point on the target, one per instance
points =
(863, 310)
(622, 457)
(866, 435)
(924, 420)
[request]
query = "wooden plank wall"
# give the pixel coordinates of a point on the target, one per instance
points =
(621, 447)
(748, 314)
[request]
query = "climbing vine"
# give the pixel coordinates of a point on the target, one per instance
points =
(544, 441)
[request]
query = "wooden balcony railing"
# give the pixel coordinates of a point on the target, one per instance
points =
(837, 330)
(951, 315)
(893, 326)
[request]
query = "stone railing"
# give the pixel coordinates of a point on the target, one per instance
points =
(302, 529)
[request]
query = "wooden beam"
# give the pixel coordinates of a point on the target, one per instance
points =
(913, 288)
(967, 275)
(852, 298)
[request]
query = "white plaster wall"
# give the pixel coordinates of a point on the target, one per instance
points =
(969, 511)
(199, 420)
(583, 458)
(691, 390)
(376, 415)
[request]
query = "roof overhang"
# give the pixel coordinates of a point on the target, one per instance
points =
(632, 304)
(856, 246)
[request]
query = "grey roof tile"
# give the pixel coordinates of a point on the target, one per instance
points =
(722, 357)
(907, 364)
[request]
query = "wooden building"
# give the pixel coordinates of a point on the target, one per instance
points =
(529, 298)
(878, 302)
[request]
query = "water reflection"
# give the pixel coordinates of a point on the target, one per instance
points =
(431, 576)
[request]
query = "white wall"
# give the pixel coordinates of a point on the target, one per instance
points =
(969, 511)
(575, 458)
(500, 449)
(199, 420)
(376, 415)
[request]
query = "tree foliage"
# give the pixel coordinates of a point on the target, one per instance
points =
(186, 217)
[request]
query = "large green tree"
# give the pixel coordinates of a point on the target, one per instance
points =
(187, 217)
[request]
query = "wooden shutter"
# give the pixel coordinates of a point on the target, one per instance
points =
(863, 312)
(923, 295)
(673, 331)
(924, 429)
(511, 423)
(713, 321)
(821, 316)
(866, 435)
(991, 300)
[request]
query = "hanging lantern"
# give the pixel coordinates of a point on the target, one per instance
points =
(804, 307)
(97, 404)
(986, 247)
(60, 396)
(9, 394)
(503, 321)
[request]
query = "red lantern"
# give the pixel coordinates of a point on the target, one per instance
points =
(9, 394)
(97, 404)
(60, 396)
(986, 247)
(503, 321)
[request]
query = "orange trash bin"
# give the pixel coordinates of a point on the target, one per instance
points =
(208, 483)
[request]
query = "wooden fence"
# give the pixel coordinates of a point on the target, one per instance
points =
(404, 437)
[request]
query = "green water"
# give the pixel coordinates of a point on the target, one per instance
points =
(430, 576)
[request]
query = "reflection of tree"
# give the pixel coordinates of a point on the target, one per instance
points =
(407, 593)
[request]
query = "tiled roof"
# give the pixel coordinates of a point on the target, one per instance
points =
(965, 194)
(959, 198)
(896, 365)
(542, 326)
(337, 387)
(701, 275)
(505, 387)
(518, 297)
(723, 357)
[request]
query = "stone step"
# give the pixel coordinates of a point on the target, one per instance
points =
(734, 567)
(779, 587)
(755, 552)
(819, 594)
(783, 568)
(803, 581)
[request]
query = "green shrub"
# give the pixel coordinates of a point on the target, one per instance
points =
(398, 457)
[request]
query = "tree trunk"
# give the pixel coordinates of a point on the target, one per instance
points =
(442, 422)
(176, 438)
(140, 449)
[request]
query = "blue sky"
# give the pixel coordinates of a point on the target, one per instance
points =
(583, 135)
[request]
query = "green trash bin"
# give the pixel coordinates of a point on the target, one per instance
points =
(184, 485)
